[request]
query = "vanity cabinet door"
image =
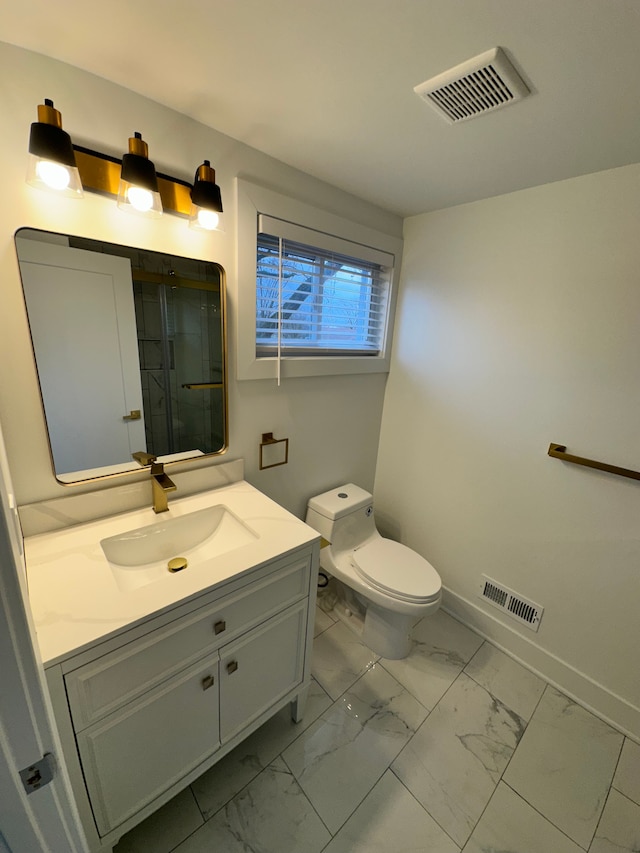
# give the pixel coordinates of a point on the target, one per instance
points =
(261, 668)
(136, 753)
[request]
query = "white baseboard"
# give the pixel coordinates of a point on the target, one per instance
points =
(614, 709)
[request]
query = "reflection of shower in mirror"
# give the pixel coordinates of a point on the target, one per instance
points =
(117, 331)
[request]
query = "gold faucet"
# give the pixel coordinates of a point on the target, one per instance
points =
(161, 485)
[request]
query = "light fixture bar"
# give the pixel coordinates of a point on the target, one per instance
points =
(100, 173)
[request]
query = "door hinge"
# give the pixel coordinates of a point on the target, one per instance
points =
(39, 774)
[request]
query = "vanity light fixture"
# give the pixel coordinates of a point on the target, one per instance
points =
(206, 200)
(52, 162)
(138, 191)
(56, 163)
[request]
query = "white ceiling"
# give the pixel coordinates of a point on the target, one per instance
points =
(327, 85)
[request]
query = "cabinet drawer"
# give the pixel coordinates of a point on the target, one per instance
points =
(261, 668)
(100, 687)
(134, 755)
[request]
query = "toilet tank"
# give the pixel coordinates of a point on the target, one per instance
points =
(340, 508)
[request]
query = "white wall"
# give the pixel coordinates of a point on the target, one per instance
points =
(332, 422)
(518, 326)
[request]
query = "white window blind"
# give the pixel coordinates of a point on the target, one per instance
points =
(318, 295)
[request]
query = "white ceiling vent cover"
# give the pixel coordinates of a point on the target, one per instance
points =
(512, 603)
(484, 83)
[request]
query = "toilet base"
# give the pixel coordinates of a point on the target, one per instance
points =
(386, 633)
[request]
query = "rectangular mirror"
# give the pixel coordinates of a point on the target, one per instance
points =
(130, 348)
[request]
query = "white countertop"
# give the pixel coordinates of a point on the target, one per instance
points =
(77, 601)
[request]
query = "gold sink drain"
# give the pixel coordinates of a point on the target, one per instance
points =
(177, 564)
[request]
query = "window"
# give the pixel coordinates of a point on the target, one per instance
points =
(316, 292)
(314, 302)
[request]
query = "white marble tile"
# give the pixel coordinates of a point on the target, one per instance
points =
(343, 754)
(506, 679)
(510, 824)
(322, 622)
(166, 828)
(271, 815)
(627, 778)
(440, 648)
(390, 819)
(229, 776)
(564, 765)
(619, 827)
(339, 659)
(455, 760)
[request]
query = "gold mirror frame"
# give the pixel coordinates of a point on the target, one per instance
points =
(174, 278)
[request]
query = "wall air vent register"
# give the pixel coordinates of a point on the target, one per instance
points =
(512, 603)
(482, 84)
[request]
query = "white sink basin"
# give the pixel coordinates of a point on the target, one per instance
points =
(141, 556)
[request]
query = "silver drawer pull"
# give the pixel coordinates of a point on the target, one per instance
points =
(207, 682)
(232, 666)
(219, 627)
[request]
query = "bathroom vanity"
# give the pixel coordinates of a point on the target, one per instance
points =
(154, 675)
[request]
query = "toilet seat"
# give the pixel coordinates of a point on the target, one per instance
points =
(397, 570)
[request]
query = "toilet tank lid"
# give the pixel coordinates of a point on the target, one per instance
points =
(340, 501)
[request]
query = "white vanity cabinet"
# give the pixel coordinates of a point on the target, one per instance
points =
(144, 713)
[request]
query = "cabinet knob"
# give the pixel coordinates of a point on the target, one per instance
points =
(232, 666)
(207, 682)
(219, 627)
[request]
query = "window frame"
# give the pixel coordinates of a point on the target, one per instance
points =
(253, 201)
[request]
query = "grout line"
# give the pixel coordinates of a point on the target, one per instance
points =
(304, 794)
(545, 818)
(474, 655)
(410, 792)
(193, 794)
(606, 799)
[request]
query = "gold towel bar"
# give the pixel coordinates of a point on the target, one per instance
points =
(558, 451)
(191, 385)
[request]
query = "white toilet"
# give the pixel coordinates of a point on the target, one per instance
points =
(385, 587)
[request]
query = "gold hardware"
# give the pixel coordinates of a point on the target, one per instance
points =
(177, 564)
(161, 485)
(207, 682)
(219, 627)
(138, 146)
(197, 385)
(232, 666)
(558, 451)
(267, 441)
(144, 458)
(48, 114)
(134, 415)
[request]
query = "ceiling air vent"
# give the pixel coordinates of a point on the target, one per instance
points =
(511, 603)
(484, 83)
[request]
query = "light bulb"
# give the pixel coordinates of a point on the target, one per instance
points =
(54, 175)
(140, 198)
(208, 219)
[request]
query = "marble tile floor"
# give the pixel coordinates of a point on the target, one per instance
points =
(456, 749)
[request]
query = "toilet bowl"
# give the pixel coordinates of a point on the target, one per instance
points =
(384, 588)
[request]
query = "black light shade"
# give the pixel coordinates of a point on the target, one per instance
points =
(138, 181)
(206, 198)
(137, 168)
(52, 162)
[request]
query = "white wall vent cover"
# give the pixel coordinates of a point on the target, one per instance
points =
(486, 82)
(511, 603)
